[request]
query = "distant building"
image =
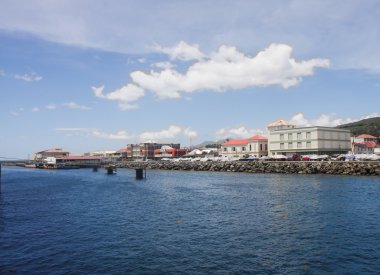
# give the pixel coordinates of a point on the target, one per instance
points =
(146, 150)
(52, 152)
(67, 161)
(364, 144)
(256, 146)
(169, 152)
(286, 139)
(122, 153)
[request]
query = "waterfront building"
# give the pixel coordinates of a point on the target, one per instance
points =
(169, 152)
(122, 153)
(146, 150)
(364, 144)
(70, 161)
(52, 152)
(287, 139)
(256, 146)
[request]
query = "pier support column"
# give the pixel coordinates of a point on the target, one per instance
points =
(0, 177)
(139, 173)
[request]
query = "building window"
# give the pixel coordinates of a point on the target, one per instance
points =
(266, 147)
(250, 148)
(308, 135)
(233, 149)
(299, 135)
(261, 147)
(290, 136)
(243, 148)
(308, 144)
(299, 145)
(281, 145)
(290, 145)
(281, 136)
(225, 149)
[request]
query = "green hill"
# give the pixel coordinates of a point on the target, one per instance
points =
(369, 126)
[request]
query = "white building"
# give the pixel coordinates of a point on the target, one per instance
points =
(256, 146)
(286, 139)
(364, 144)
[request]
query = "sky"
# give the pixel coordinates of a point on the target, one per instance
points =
(96, 75)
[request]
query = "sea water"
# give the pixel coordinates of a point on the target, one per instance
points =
(80, 221)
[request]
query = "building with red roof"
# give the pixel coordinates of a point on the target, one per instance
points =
(52, 152)
(256, 146)
(364, 144)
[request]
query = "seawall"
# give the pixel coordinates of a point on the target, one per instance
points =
(367, 168)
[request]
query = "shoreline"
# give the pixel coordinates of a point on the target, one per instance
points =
(366, 168)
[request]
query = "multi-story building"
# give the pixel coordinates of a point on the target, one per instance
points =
(364, 144)
(52, 152)
(146, 149)
(256, 146)
(286, 139)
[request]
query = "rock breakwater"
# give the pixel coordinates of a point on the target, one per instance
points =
(283, 167)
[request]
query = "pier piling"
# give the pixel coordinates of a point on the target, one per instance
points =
(140, 173)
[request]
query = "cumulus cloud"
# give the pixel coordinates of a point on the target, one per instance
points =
(126, 95)
(190, 133)
(228, 68)
(35, 109)
(170, 133)
(225, 69)
(74, 105)
(182, 51)
(329, 120)
(237, 132)
(2, 73)
(163, 65)
(29, 77)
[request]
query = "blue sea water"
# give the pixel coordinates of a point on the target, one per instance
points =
(79, 221)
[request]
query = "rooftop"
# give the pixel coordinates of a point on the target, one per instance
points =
(280, 122)
(365, 136)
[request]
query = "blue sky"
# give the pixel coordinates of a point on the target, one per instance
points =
(91, 75)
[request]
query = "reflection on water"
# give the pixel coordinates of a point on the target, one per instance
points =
(187, 222)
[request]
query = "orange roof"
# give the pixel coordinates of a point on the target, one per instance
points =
(370, 144)
(258, 137)
(122, 150)
(236, 142)
(365, 136)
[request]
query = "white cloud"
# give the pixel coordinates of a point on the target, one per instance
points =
(230, 69)
(169, 133)
(182, 51)
(14, 113)
(35, 109)
(74, 105)
(237, 132)
(51, 107)
(126, 95)
(329, 120)
(190, 133)
(141, 60)
(2, 73)
(163, 65)
(29, 77)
